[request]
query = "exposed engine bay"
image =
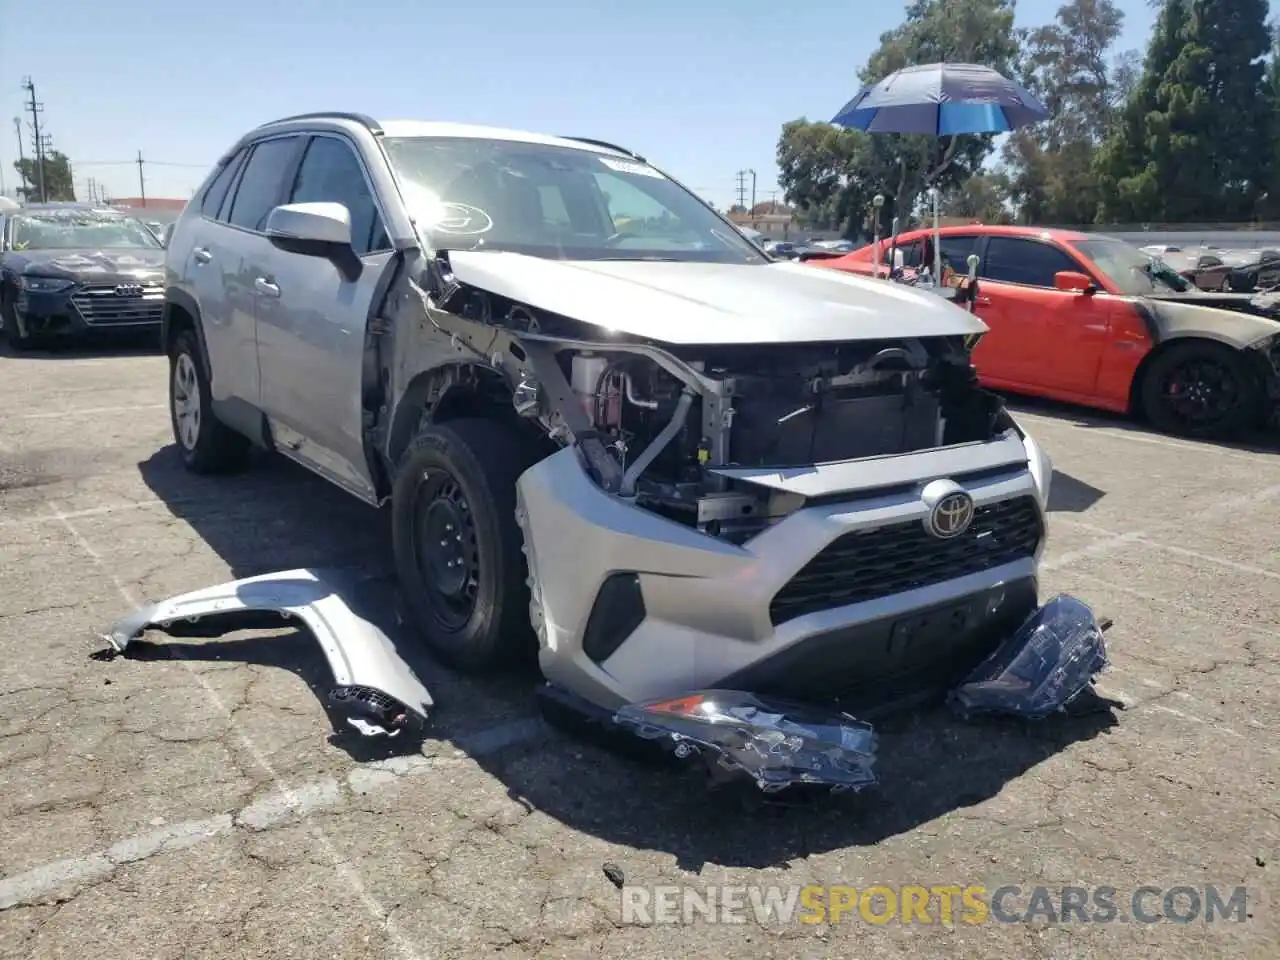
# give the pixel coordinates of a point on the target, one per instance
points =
(655, 423)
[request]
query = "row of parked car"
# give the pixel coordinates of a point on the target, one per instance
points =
(1228, 271)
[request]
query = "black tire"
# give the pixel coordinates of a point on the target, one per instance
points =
(9, 322)
(1200, 389)
(457, 483)
(212, 447)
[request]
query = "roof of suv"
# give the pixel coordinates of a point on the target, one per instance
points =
(436, 128)
(433, 128)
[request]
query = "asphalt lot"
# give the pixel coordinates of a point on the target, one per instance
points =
(196, 805)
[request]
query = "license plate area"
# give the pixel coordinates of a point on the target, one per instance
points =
(929, 631)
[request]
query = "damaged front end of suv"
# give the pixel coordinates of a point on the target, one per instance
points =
(800, 511)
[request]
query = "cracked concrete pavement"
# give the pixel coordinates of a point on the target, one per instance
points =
(195, 804)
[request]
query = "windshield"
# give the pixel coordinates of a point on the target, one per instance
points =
(79, 230)
(1132, 271)
(555, 202)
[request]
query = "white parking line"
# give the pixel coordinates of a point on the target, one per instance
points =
(285, 806)
(292, 797)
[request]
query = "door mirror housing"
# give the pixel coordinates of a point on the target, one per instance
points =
(316, 230)
(1073, 282)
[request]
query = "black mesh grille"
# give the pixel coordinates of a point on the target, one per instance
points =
(878, 563)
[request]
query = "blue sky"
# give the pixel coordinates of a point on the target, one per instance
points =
(701, 87)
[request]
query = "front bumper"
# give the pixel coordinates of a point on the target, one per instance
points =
(630, 606)
(90, 308)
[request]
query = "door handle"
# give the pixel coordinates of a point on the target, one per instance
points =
(982, 301)
(266, 287)
(202, 255)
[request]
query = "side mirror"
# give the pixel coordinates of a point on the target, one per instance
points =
(316, 230)
(1073, 282)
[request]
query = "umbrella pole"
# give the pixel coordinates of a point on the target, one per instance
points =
(937, 234)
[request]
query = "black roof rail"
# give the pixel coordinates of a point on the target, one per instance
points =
(359, 118)
(608, 146)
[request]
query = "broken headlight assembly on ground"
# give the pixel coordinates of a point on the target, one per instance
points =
(1040, 670)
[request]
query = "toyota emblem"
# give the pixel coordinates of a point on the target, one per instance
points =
(951, 515)
(129, 290)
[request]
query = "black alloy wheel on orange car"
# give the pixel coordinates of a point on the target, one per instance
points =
(1200, 389)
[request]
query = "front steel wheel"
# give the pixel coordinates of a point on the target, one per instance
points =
(457, 545)
(448, 554)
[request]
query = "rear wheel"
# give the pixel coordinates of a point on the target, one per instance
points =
(205, 444)
(1201, 390)
(457, 545)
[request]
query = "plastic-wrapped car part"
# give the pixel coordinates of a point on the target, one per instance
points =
(774, 742)
(1048, 662)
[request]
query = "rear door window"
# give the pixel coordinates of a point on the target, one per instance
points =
(955, 250)
(262, 182)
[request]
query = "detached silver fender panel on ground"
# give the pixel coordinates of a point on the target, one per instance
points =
(374, 687)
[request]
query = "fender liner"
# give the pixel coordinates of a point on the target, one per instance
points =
(374, 687)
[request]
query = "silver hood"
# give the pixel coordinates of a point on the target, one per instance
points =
(705, 303)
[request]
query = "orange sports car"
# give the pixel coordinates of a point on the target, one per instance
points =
(1090, 319)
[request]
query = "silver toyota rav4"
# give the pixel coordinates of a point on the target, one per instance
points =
(611, 429)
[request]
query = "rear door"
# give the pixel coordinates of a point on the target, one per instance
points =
(312, 322)
(1041, 337)
(228, 255)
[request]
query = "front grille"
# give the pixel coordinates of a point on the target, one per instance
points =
(867, 565)
(100, 306)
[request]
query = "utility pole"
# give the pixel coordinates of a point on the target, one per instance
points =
(35, 110)
(22, 160)
(742, 188)
(753, 190)
(142, 182)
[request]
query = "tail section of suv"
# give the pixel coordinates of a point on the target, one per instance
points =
(612, 430)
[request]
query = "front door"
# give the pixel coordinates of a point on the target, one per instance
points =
(1041, 338)
(312, 324)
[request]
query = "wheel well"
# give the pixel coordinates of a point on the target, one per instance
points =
(448, 393)
(176, 320)
(1135, 387)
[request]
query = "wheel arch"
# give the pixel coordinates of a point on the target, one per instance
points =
(182, 313)
(446, 393)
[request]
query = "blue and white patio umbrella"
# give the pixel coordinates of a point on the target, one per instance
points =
(942, 100)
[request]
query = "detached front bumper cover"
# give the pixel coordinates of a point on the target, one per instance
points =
(377, 692)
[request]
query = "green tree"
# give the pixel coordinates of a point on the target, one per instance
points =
(57, 171)
(1068, 65)
(1194, 138)
(1269, 205)
(982, 197)
(833, 174)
